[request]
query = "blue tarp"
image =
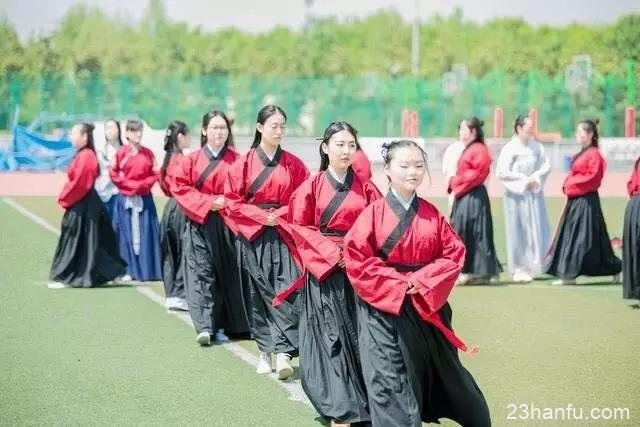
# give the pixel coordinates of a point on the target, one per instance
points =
(30, 150)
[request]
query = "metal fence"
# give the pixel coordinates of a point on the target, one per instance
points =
(372, 103)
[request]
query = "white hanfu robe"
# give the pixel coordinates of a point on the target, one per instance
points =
(450, 164)
(527, 224)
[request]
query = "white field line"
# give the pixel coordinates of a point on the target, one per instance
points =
(293, 387)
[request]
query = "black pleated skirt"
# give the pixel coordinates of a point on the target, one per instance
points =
(413, 373)
(330, 368)
(214, 290)
(471, 219)
(267, 268)
(87, 254)
(631, 250)
(172, 228)
(582, 245)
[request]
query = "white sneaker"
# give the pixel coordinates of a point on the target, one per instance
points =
(522, 277)
(204, 338)
(264, 364)
(283, 368)
(563, 282)
(125, 279)
(221, 336)
(57, 285)
(616, 278)
(462, 279)
(176, 304)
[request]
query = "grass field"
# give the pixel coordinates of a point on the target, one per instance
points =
(112, 356)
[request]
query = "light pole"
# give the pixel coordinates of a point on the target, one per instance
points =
(415, 39)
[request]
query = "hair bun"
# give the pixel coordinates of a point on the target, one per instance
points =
(596, 121)
(481, 122)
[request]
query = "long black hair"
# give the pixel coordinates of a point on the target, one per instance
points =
(174, 129)
(120, 144)
(87, 129)
(474, 123)
(208, 116)
(591, 126)
(331, 130)
(264, 113)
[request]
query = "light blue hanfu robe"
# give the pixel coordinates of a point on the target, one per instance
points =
(527, 224)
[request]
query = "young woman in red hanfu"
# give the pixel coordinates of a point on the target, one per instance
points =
(259, 186)
(402, 258)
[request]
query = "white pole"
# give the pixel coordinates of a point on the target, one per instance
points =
(415, 39)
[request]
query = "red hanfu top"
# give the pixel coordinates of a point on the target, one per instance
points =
(633, 186)
(82, 174)
(170, 173)
(361, 166)
(201, 180)
(257, 185)
(321, 211)
(388, 246)
(585, 175)
(133, 171)
(473, 169)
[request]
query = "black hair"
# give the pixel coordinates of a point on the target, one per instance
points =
(591, 126)
(474, 123)
(331, 130)
(87, 129)
(174, 129)
(134, 126)
(389, 149)
(264, 113)
(205, 123)
(519, 122)
(119, 130)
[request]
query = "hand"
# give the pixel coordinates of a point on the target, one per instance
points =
(271, 220)
(532, 184)
(411, 288)
(341, 263)
(218, 203)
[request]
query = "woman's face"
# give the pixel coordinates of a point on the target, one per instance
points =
(183, 141)
(111, 132)
(134, 136)
(216, 132)
(465, 134)
(78, 139)
(583, 138)
(406, 169)
(340, 149)
(273, 129)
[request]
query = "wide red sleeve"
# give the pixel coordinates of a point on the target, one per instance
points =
(633, 186)
(146, 184)
(361, 166)
(126, 186)
(586, 176)
(249, 219)
(300, 173)
(302, 205)
(377, 284)
(82, 175)
(435, 280)
(195, 204)
(472, 171)
(371, 192)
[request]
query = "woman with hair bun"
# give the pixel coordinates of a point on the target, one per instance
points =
(471, 211)
(582, 245)
(402, 258)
